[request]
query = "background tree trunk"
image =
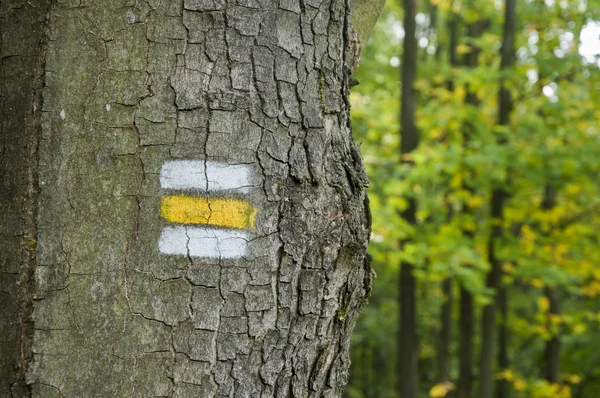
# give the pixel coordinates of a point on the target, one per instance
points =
(489, 323)
(447, 309)
(503, 386)
(552, 349)
(134, 95)
(465, 347)
(445, 335)
(408, 341)
(466, 314)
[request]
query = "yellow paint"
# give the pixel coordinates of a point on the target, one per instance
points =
(222, 212)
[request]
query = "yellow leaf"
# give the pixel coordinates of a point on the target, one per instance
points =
(592, 289)
(507, 375)
(463, 49)
(420, 84)
(519, 385)
(574, 379)
(543, 303)
(436, 133)
(440, 390)
(573, 189)
(439, 78)
(460, 92)
(469, 225)
(542, 330)
(579, 328)
(561, 249)
(475, 201)
(456, 180)
(442, 4)
(528, 233)
(537, 283)
(565, 392)
(453, 124)
(507, 268)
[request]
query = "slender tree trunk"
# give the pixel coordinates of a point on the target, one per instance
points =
(465, 345)
(445, 340)
(445, 336)
(465, 382)
(408, 344)
(489, 324)
(503, 387)
(488, 318)
(552, 351)
(434, 29)
(183, 207)
(508, 58)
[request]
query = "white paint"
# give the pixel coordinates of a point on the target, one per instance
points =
(203, 242)
(205, 175)
(63, 115)
(107, 107)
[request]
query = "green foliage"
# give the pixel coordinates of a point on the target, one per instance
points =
(553, 139)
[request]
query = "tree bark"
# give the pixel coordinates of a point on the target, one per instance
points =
(447, 309)
(503, 387)
(186, 205)
(552, 350)
(465, 345)
(465, 379)
(494, 280)
(445, 335)
(22, 41)
(408, 342)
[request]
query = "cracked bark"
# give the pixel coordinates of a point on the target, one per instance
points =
(94, 98)
(22, 40)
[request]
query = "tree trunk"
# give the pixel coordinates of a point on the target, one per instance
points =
(22, 41)
(445, 336)
(503, 386)
(488, 317)
(447, 309)
(494, 280)
(465, 380)
(408, 342)
(552, 351)
(185, 207)
(465, 345)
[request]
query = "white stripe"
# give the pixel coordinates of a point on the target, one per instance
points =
(193, 174)
(203, 242)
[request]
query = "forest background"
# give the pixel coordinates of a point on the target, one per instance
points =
(503, 249)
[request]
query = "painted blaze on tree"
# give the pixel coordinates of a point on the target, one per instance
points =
(189, 203)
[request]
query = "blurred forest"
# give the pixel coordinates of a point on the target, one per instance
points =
(486, 222)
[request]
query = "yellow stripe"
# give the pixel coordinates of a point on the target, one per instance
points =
(222, 212)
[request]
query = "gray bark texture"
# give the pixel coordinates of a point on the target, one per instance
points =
(95, 98)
